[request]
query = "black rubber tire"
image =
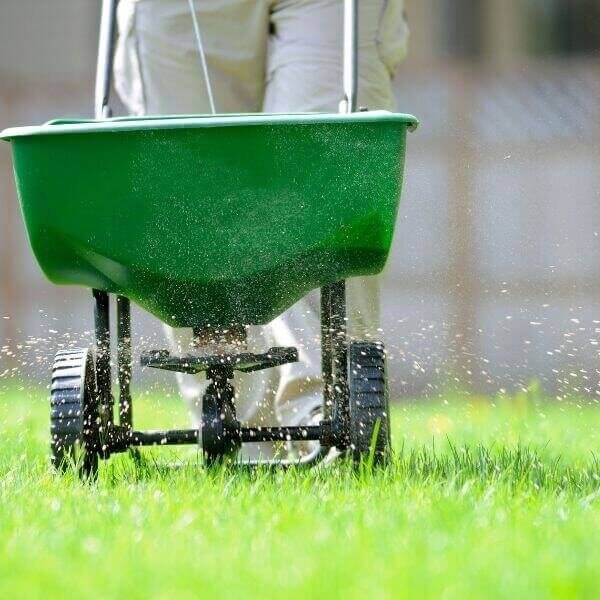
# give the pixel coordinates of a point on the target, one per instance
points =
(368, 402)
(220, 429)
(74, 416)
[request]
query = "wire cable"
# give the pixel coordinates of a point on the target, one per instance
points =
(202, 56)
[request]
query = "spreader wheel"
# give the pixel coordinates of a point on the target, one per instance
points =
(220, 429)
(369, 404)
(74, 417)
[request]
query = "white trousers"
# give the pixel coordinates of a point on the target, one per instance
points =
(272, 56)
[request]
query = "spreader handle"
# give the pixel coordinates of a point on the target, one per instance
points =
(350, 102)
(105, 59)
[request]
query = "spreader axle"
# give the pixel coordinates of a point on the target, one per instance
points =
(174, 437)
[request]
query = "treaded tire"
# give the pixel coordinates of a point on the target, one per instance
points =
(220, 434)
(368, 401)
(74, 422)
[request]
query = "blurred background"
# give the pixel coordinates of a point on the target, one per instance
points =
(494, 279)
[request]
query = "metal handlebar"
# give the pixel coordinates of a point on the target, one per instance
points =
(105, 59)
(350, 102)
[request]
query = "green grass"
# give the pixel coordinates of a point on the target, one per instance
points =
(487, 498)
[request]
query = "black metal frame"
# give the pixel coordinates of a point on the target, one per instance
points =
(245, 362)
(332, 431)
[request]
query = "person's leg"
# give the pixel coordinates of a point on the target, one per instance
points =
(304, 73)
(305, 56)
(157, 65)
(158, 71)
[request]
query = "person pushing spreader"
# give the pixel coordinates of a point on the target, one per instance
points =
(214, 223)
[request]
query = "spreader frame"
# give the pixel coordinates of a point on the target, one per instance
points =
(332, 431)
(354, 403)
(334, 428)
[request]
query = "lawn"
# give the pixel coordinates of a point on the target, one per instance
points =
(495, 498)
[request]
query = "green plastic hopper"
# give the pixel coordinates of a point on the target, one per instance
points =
(211, 219)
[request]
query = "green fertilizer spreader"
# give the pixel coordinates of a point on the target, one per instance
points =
(214, 223)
